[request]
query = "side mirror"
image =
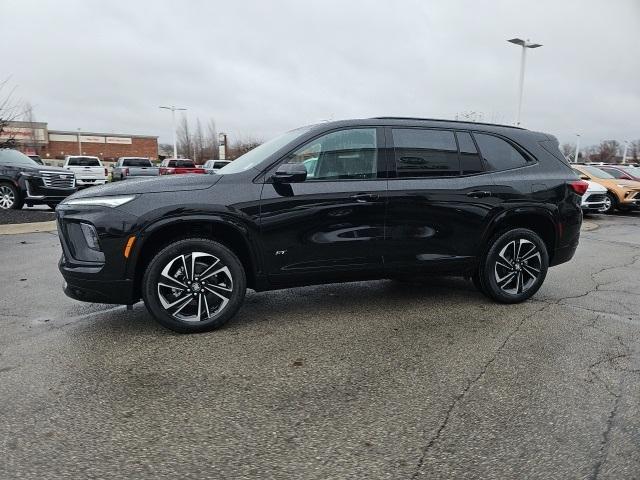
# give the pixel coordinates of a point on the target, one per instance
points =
(584, 177)
(290, 173)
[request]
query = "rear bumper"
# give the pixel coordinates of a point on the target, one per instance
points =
(564, 254)
(90, 181)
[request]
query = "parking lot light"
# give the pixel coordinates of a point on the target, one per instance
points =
(173, 120)
(524, 44)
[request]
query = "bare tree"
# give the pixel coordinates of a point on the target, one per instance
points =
(184, 140)
(8, 113)
(198, 143)
(568, 150)
(242, 146)
(634, 150)
(211, 141)
(606, 152)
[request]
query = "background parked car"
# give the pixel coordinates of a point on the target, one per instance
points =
(621, 194)
(133, 167)
(594, 199)
(623, 172)
(212, 166)
(177, 166)
(88, 170)
(24, 181)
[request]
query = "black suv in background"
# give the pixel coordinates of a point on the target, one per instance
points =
(341, 201)
(22, 180)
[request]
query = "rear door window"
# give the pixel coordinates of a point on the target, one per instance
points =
(498, 153)
(425, 153)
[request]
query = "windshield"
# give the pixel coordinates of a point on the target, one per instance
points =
(83, 162)
(596, 172)
(258, 154)
(14, 157)
(136, 162)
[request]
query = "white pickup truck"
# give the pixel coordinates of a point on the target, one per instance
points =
(88, 170)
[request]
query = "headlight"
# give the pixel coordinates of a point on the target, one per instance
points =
(101, 201)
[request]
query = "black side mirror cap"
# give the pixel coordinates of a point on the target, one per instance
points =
(290, 173)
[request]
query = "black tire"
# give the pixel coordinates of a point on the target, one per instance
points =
(158, 296)
(507, 277)
(10, 197)
(610, 205)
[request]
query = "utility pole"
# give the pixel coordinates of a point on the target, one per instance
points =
(79, 143)
(173, 123)
(523, 59)
(575, 160)
(624, 154)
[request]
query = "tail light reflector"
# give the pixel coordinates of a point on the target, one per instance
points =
(125, 172)
(579, 186)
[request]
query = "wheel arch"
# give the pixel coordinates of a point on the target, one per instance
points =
(538, 220)
(232, 235)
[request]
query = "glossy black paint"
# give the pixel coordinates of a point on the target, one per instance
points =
(289, 234)
(29, 183)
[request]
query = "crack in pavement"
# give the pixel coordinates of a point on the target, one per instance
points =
(458, 398)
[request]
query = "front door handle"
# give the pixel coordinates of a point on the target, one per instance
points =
(364, 197)
(479, 194)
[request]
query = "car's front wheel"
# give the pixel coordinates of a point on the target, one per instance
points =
(194, 285)
(610, 203)
(514, 266)
(9, 197)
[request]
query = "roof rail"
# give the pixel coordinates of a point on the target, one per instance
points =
(445, 120)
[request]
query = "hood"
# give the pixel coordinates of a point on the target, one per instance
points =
(168, 183)
(628, 183)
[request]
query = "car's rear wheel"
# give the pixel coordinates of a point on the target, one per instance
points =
(10, 198)
(514, 266)
(194, 285)
(610, 203)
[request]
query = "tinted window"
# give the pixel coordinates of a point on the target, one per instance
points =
(14, 157)
(615, 172)
(219, 164)
(425, 153)
(595, 172)
(185, 164)
(83, 162)
(342, 155)
(136, 162)
(499, 154)
(470, 161)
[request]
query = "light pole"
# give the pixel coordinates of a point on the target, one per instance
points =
(575, 159)
(79, 143)
(524, 44)
(624, 154)
(173, 123)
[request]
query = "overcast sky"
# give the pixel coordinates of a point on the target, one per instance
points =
(262, 67)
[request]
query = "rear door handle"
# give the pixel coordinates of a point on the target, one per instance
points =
(364, 197)
(479, 194)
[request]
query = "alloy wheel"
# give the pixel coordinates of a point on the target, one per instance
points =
(195, 287)
(607, 205)
(7, 197)
(518, 266)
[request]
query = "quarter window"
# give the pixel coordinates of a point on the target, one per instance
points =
(499, 154)
(343, 155)
(470, 161)
(425, 153)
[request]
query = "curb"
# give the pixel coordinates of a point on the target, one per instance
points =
(19, 228)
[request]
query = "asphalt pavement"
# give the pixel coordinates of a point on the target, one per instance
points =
(357, 381)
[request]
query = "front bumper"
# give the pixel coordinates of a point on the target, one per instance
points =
(83, 287)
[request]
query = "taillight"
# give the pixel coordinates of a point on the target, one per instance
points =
(125, 172)
(579, 186)
(106, 172)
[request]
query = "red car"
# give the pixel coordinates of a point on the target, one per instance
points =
(622, 172)
(177, 166)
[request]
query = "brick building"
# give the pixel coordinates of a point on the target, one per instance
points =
(36, 138)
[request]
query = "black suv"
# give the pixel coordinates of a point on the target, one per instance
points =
(334, 202)
(22, 180)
